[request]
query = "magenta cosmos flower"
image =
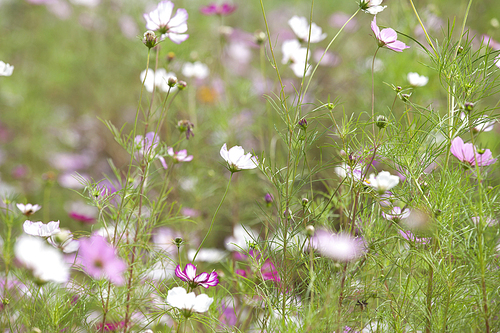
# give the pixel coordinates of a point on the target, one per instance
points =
(100, 260)
(161, 20)
(215, 9)
(467, 153)
(388, 38)
(189, 275)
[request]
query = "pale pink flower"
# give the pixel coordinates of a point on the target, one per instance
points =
(409, 236)
(99, 259)
(467, 153)
(180, 156)
(147, 146)
(387, 37)
(339, 247)
(301, 28)
(396, 214)
(215, 9)
(28, 209)
(161, 20)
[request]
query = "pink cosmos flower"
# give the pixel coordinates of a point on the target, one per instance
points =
(339, 247)
(396, 214)
(180, 156)
(99, 259)
(467, 153)
(215, 9)
(409, 236)
(189, 275)
(387, 37)
(269, 272)
(161, 20)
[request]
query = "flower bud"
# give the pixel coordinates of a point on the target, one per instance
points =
(268, 198)
(437, 212)
(186, 126)
(381, 122)
(330, 106)
(305, 201)
(343, 153)
(398, 88)
(405, 97)
(310, 231)
(468, 106)
(481, 151)
(259, 37)
(172, 81)
(178, 241)
(460, 50)
(150, 39)
(181, 85)
(303, 123)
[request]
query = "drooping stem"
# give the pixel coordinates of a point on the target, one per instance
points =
(213, 218)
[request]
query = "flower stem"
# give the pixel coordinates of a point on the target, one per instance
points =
(373, 91)
(213, 219)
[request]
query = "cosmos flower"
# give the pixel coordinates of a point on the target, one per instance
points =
(197, 70)
(383, 182)
(45, 262)
(158, 79)
(28, 209)
(409, 236)
(6, 69)
(237, 160)
(371, 6)
(417, 80)
(161, 20)
(484, 123)
(178, 298)
(295, 55)
(40, 229)
(215, 9)
(99, 259)
(301, 27)
(180, 156)
(189, 275)
(339, 247)
(396, 214)
(467, 153)
(387, 37)
(147, 145)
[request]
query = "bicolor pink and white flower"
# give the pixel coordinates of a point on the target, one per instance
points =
(179, 298)
(371, 6)
(189, 275)
(28, 209)
(387, 37)
(237, 160)
(41, 229)
(161, 20)
(179, 156)
(100, 261)
(300, 27)
(468, 154)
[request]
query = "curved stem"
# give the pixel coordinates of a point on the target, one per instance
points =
(213, 219)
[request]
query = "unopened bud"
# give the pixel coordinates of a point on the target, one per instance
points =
(172, 81)
(181, 85)
(381, 122)
(310, 231)
(460, 50)
(268, 198)
(150, 39)
(178, 241)
(398, 88)
(186, 126)
(438, 212)
(330, 106)
(343, 153)
(481, 151)
(305, 201)
(468, 106)
(303, 123)
(259, 37)
(405, 97)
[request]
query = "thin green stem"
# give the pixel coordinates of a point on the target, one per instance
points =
(213, 219)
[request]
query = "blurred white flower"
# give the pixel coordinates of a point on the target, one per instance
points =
(241, 238)
(158, 79)
(237, 160)
(40, 229)
(371, 6)
(64, 241)
(46, 263)
(197, 70)
(300, 27)
(417, 80)
(178, 298)
(485, 124)
(297, 56)
(6, 69)
(384, 181)
(207, 255)
(28, 209)
(339, 247)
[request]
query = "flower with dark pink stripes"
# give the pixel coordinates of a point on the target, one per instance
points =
(189, 275)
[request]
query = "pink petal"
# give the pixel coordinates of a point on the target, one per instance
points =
(388, 35)
(180, 17)
(397, 46)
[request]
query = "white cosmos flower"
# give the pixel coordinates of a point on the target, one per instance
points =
(6, 69)
(484, 123)
(237, 160)
(46, 263)
(296, 56)
(161, 20)
(178, 298)
(383, 182)
(417, 80)
(197, 70)
(40, 229)
(241, 238)
(371, 6)
(158, 79)
(28, 209)
(300, 27)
